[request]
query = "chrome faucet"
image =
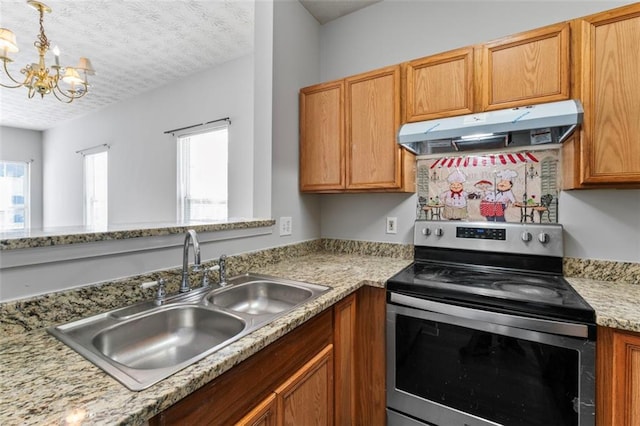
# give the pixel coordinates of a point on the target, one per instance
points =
(192, 237)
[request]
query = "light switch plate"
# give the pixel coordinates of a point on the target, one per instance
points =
(392, 225)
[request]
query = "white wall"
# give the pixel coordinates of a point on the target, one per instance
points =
(601, 224)
(142, 159)
(393, 31)
(295, 64)
(26, 145)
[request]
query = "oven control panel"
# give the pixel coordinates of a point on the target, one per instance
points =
(505, 237)
(481, 233)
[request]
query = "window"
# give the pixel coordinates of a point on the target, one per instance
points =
(14, 195)
(202, 176)
(95, 190)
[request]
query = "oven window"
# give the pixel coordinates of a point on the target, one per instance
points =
(499, 378)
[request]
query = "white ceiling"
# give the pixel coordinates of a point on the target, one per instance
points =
(328, 10)
(134, 45)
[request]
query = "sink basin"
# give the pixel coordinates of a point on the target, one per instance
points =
(168, 337)
(140, 345)
(260, 297)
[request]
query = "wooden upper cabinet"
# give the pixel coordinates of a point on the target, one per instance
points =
(439, 86)
(322, 161)
(374, 158)
(527, 68)
(607, 74)
(348, 134)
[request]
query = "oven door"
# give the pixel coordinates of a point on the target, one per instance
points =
(453, 366)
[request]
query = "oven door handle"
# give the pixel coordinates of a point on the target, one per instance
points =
(534, 324)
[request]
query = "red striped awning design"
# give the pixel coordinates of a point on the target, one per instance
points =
(485, 160)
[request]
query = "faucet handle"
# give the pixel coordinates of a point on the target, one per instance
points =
(160, 293)
(205, 275)
(222, 262)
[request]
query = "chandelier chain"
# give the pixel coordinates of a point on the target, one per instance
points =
(44, 42)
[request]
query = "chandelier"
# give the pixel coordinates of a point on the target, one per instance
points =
(37, 77)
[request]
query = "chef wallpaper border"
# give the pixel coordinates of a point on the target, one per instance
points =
(503, 187)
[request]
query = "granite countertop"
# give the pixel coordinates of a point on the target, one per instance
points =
(617, 304)
(20, 239)
(42, 381)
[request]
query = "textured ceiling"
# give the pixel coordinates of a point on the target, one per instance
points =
(134, 46)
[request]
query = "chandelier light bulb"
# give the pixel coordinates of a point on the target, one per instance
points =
(56, 54)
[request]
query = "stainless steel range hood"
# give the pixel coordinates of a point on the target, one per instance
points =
(531, 125)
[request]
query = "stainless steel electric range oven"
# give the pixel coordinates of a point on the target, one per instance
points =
(482, 329)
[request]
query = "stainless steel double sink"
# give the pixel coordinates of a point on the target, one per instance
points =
(142, 344)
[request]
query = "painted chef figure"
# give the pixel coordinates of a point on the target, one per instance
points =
(495, 203)
(455, 199)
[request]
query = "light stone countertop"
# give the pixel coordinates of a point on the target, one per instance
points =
(617, 305)
(42, 381)
(20, 239)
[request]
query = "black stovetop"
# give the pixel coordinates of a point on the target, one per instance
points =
(527, 292)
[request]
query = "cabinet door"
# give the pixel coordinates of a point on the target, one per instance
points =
(439, 86)
(374, 158)
(371, 372)
(307, 397)
(618, 378)
(344, 339)
(525, 69)
(264, 414)
(322, 162)
(610, 91)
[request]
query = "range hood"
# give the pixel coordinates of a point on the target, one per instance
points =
(552, 122)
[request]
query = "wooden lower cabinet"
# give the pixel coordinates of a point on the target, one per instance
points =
(262, 415)
(370, 357)
(618, 378)
(344, 335)
(329, 370)
(307, 397)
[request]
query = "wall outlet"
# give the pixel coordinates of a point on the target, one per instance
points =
(392, 225)
(285, 226)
